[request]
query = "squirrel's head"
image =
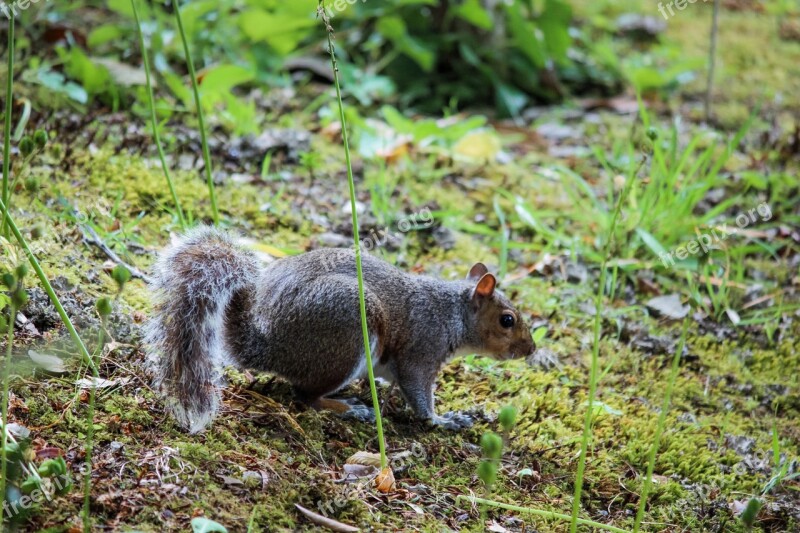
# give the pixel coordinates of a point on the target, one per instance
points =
(502, 332)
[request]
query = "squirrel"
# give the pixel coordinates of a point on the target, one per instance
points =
(298, 317)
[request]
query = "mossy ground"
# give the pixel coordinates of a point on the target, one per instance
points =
(266, 453)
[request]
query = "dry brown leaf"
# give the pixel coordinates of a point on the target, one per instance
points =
(365, 459)
(385, 481)
(324, 521)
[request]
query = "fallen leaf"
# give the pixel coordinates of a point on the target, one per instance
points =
(19, 431)
(48, 363)
(479, 145)
(354, 472)
(733, 315)
(324, 521)
(385, 481)
(100, 383)
(123, 74)
(365, 458)
(669, 306)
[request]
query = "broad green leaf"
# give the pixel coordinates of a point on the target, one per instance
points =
(473, 12)
(524, 35)
(104, 34)
(223, 78)
(554, 23)
(282, 32)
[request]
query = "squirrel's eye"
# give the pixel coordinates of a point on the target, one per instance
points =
(507, 321)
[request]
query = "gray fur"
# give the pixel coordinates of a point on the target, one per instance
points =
(299, 318)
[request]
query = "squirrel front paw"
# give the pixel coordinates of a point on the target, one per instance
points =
(358, 411)
(453, 420)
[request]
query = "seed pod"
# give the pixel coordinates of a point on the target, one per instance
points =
(26, 146)
(40, 139)
(508, 418)
(652, 133)
(492, 445)
(121, 275)
(19, 298)
(487, 472)
(9, 280)
(32, 184)
(21, 271)
(103, 306)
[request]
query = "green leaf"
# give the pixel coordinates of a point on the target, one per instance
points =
(554, 24)
(56, 82)
(204, 525)
(651, 242)
(280, 31)
(104, 34)
(218, 82)
(748, 516)
(94, 78)
(30, 484)
(510, 100)
(473, 12)
(539, 334)
(524, 35)
(192, 12)
(394, 29)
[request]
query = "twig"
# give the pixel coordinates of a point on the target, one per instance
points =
(91, 237)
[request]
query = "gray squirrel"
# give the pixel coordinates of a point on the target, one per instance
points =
(298, 317)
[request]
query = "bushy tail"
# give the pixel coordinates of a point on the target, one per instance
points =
(194, 280)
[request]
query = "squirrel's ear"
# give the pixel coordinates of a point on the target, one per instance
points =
(477, 271)
(485, 286)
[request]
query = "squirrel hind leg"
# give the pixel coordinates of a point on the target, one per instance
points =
(346, 408)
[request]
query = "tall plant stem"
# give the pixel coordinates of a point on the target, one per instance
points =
(359, 270)
(7, 122)
(538, 512)
(6, 373)
(662, 418)
(154, 119)
(87, 479)
(598, 302)
(200, 118)
(712, 59)
(48, 288)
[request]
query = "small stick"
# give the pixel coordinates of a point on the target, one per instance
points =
(91, 237)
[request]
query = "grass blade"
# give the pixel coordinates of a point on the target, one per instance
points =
(587, 428)
(6, 372)
(538, 512)
(48, 288)
(7, 122)
(200, 118)
(662, 418)
(153, 118)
